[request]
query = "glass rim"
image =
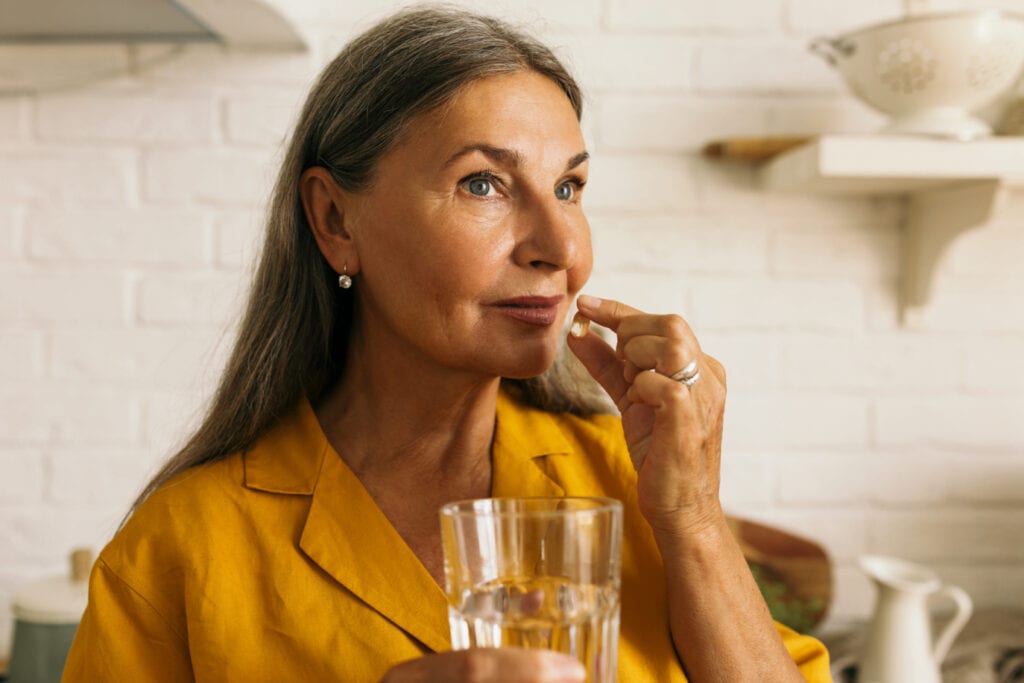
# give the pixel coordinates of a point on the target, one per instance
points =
(464, 508)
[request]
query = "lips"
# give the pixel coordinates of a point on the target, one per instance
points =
(533, 310)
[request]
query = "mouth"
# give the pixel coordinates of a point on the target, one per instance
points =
(533, 310)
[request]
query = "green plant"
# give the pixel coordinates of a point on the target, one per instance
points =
(786, 607)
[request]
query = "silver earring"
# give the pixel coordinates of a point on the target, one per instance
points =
(344, 281)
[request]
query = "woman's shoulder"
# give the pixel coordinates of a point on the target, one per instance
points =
(160, 548)
(195, 491)
(185, 510)
(212, 500)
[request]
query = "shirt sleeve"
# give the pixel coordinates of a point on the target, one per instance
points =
(122, 637)
(810, 655)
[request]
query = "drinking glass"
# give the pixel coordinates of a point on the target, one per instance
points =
(538, 573)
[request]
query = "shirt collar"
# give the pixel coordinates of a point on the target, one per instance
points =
(345, 530)
(527, 432)
(289, 457)
(524, 438)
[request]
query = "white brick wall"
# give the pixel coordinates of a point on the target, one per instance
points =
(261, 116)
(816, 17)
(950, 534)
(907, 365)
(727, 16)
(795, 420)
(236, 238)
(221, 177)
(981, 422)
(9, 245)
(769, 66)
(22, 355)
(114, 116)
(657, 62)
(151, 236)
(42, 174)
(12, 119)
(185, 299)
(65, 296)
(780, 304)
(642, 183)
(130, 210)
(24, 481)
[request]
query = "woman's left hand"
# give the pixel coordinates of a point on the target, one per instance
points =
(674, 432)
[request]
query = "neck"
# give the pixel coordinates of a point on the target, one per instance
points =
(401, 415)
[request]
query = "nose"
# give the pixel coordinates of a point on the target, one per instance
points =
(552, 235)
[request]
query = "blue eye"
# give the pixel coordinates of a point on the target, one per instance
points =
(565, 191)
(481, 187)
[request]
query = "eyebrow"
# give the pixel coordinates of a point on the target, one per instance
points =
(577, 160)
(507, 157)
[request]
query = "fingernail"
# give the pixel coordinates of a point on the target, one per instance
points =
(588, 301)
(580, 326)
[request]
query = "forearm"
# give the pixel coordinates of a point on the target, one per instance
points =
(720, 624)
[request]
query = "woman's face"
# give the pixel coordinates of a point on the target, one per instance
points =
(471, 241)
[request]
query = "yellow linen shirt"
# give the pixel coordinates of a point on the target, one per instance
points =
(276, 565)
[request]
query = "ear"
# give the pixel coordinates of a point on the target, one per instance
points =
(325, 206)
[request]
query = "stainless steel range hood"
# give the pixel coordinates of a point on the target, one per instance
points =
(37, 21)
(49, 45)
(248, 23)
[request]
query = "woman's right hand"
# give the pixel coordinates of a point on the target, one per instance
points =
(482, 665)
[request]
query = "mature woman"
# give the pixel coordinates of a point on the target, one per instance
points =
(425, 243)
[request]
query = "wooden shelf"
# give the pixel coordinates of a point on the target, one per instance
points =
(953, 187)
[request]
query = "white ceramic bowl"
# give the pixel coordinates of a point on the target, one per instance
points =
(929, 72)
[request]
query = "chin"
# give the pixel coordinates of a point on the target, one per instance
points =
(520, 358)
(532, 368)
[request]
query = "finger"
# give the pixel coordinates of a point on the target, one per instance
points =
(672, 399)
(716, 368)
(697, 409)
(626, 320)
(668, 326)
(629, 324)
(607, 366)
(479, 665)
(676, 428)
(684, 422)
(606, 312)
(665, 355)
(600, 361)
(630, 371)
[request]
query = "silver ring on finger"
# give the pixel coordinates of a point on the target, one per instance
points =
(688, 375)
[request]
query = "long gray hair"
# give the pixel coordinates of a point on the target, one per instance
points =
(293, 335)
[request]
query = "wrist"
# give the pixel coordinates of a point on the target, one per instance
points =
(689, 533)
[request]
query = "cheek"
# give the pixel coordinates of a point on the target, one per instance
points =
(584, 262)
(484, 214)
(473, 251)
(459, 268)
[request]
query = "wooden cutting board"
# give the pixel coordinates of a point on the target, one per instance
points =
(802, 564)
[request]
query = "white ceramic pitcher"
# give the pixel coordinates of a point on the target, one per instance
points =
(899, 646)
